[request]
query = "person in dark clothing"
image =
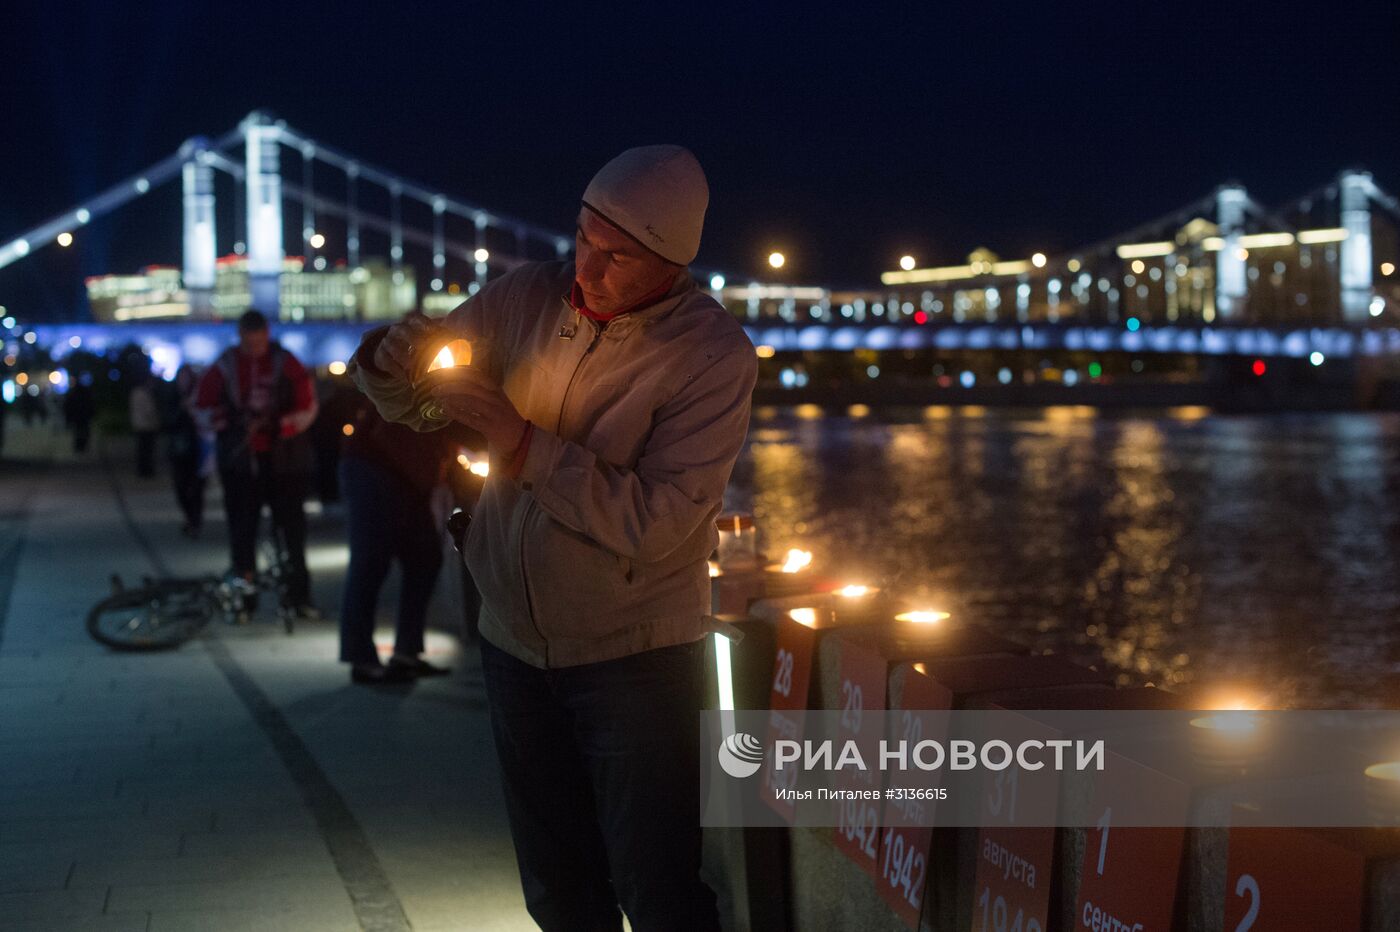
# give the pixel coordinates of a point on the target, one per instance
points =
(185, 448)
(145, 423)
(259, 400)
(31, 405)
(388, 473)
(79, 407)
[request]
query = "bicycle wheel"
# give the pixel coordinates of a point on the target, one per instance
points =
(155, 617)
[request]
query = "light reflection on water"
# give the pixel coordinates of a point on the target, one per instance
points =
(1178, 549)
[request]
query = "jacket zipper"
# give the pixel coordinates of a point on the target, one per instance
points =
(564, 402)
(530, 510)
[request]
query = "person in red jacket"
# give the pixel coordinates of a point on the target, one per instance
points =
(259, 400)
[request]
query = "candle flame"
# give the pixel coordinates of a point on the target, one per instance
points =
(804, 616)
(921, 667)
(453, 353)
(479, 467)
(854, 592)
(1389, 770)
(443, 360)
(797, 561)
(1231, 722)
(714, 568)
(1233, 699)
(922, 617)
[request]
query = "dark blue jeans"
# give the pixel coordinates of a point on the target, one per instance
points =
(601, 769)
(387, 519)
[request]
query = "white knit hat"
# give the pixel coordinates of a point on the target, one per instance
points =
(658, 195)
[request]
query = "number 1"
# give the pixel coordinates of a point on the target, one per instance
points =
(1103, 842)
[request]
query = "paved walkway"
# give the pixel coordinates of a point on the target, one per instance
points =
(239, 782)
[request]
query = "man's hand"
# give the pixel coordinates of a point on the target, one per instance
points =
(398, 349)
(476, 401)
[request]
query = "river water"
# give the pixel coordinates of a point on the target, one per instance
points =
(1254, 554)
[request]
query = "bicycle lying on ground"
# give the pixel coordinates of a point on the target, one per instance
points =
(163, 613)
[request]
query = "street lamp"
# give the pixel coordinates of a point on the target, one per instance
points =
(316, 240)
(65, 239)
(907, 263)
(776, 260)
(1038, 260)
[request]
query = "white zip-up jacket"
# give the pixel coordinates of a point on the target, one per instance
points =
(598, 549)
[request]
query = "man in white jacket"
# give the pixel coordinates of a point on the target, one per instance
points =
(614, 394)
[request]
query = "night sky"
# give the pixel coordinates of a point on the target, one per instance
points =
(845, 135)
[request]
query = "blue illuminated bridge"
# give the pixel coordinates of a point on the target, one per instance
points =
(330, 245)
(325, 343)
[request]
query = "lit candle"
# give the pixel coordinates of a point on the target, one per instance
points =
(922, 617)
(1383, 792)
(856, 602)
(480, 467)
(738, 542)
(714, 569)
(795, 562)
(453, 353)
(444, 363)
(1227, 742)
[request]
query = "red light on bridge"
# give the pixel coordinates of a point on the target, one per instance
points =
(1259, 368)
(920, 317)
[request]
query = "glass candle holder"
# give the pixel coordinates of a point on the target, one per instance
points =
(1383, 792)
(738, 542)
(442, 361)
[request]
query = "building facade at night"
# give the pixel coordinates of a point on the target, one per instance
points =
(368, 292)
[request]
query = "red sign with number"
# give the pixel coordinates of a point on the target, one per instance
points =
(1130, 873)
(904, 844)
(792, 677)
(1279, 878)
(1015, 865)
(863, 675)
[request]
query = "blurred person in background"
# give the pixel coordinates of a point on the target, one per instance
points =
(259, 400)
(79, 407)
(185, 448)
(145, 423)
(388, 476)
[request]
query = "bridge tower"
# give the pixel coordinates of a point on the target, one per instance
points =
(261, 139)
(1231, 283)
(200, 247)
(1354, 190)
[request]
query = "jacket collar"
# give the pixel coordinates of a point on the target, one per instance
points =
(625, 321)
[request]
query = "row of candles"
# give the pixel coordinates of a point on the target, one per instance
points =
(1226, 742)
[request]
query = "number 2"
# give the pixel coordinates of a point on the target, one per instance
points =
(1248, 886)
(850, 713)
(782, 679)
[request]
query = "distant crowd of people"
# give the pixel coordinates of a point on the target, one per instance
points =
(254, 418)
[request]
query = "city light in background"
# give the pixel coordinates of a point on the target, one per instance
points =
(1077, 387)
